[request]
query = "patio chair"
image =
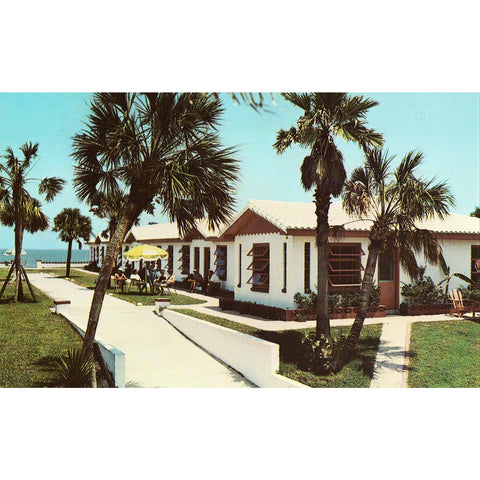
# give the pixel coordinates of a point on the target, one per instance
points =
(168, 286)
(139, 284)
(460, 306)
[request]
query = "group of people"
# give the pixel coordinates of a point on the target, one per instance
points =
(208, 285)
(154, 276)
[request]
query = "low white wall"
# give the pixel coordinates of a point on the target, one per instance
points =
(256, 359)
(114, 358)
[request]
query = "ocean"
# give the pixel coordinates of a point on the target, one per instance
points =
(47, 255)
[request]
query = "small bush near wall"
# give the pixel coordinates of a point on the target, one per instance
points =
(92, 267)
(423, 292)
(291, 315)
(337, 300)
(250, 308)
(471, 293)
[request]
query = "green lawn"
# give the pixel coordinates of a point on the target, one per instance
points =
(88, 280)
(445, 354)
(356, 374)
(29, 336)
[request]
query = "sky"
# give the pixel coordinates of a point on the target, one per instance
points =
(444, 126)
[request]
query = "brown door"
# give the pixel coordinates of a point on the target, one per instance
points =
(206, 262)
(388, 279)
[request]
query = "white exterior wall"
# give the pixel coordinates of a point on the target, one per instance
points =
(274, 296)
(232, 276)
(457, 255)
(295, 267)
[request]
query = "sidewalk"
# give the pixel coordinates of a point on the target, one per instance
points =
(156, 354)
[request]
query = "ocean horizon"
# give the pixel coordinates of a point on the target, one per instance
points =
(46, 255)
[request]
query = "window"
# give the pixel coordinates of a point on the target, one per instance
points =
(345, 266)
(196, 258)
(170, 257)
(221, 262)
(385, 267)
(260, 267)
(475, 263)
(284, 289)
(185, 259)
(306, 268)
(239, 266)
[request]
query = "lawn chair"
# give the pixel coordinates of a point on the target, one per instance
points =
(168, 286)
(460, 306)
(139, 284)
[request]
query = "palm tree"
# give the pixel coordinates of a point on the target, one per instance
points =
(476, 212)
(326, 116)
(160, 147)
(18, 208)
(72, 225)
(395, 203)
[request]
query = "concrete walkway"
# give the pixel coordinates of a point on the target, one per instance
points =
(121, 320)
(156, 354)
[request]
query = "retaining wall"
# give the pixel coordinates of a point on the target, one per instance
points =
(256, 359)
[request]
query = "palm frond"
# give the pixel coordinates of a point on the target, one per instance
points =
(29, 151)
(51, 186)
(302, 100)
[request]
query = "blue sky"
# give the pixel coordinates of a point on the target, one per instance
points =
(444, 126)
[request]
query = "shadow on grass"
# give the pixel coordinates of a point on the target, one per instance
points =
(293, 351)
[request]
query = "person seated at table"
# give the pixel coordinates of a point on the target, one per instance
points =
(162, 277)
(159, 280)
(119, 278)
(190, 282)
(197, 280)
(137, 280)
(213, 283)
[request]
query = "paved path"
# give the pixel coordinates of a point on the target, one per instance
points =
(156, 354)
(391, 363)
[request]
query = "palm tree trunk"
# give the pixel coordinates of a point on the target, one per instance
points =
(357, 326)
(18, 296)
(69, 257)
(129, 215)
(322, 204)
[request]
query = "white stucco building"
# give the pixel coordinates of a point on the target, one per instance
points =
(267, 253)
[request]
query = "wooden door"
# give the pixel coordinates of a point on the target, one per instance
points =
(388, 280)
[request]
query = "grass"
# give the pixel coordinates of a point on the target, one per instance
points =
(356, 374)
(88, 280)
(30, 336)
(445, 354)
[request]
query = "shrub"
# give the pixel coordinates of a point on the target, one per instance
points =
(425, 291)
(92, 267)
(73, 369)
(335, 300)
(471, 293)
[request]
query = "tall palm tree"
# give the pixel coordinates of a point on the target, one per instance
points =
(17, 207)
(326, 116)
(72, 225)
(395, 202)
(160, 147)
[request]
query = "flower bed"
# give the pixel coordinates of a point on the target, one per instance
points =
(425, 309)
(293, 315)
(300, 314)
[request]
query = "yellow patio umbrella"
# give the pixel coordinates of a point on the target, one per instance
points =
(145, 252)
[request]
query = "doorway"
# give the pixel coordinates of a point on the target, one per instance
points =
(388, 280)
(206, 262)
